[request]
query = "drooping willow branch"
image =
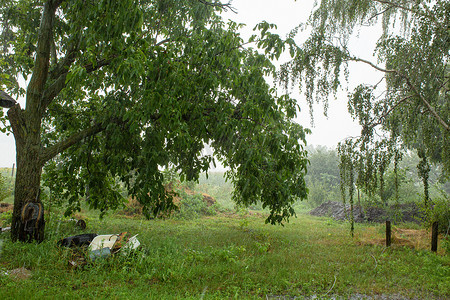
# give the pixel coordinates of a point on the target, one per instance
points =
(410, 85)
(427, 15)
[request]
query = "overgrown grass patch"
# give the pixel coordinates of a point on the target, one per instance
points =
(225, 257)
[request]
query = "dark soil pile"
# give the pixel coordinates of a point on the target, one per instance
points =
(408, 212)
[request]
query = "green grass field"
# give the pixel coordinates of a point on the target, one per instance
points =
(226, 257)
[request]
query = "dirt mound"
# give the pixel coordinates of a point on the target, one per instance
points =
(338, 211)
(408, 212)
(4, 207)
(210, 201)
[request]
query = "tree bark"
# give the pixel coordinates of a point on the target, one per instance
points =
(27, 221)
(27, 225)
(28, 215)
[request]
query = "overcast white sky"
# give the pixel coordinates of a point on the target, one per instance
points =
(287, 14)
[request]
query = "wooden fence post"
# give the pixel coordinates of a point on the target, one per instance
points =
(434, 236)
(388, 233)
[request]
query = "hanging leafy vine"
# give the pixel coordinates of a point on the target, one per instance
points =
(363, 167)
(347, 174)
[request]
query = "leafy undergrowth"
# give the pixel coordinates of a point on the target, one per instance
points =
(226, 257)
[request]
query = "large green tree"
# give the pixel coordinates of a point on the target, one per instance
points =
(408, 108)
(118, 90)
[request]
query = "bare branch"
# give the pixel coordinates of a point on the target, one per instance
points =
(380, 81)
(396, 5)
(379, 13)
(444, 83)
(356, 59)
(331, 286)
(221, 5)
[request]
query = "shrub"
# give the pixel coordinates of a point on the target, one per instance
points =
(193, 206)
(5, 218)
(438, 211)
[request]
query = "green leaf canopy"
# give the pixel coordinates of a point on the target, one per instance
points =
(134, 86)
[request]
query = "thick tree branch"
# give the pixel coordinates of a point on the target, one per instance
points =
(427, 104)
(17, 121)
(55, 88)
(63, 66)
(51, 151)
(99, 64)
(54, 55)
(59, 74)
(42, 60)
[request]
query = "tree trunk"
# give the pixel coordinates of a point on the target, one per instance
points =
(28, 216)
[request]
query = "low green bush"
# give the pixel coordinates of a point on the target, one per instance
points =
(193, 206)
(437, 211)
(4, 191)
(5, 218)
